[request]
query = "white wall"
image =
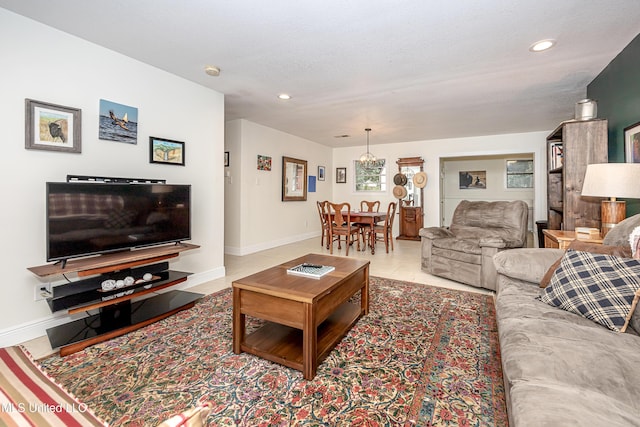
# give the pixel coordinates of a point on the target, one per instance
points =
(434, 150)
(257, 219)
(41, 63)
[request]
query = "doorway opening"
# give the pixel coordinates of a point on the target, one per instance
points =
(489, 178)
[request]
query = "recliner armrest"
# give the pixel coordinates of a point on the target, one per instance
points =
(497, 242)
(435, 233)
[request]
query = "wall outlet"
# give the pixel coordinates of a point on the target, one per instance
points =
(41, 291)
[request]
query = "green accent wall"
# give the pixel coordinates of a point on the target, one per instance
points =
(617, 90)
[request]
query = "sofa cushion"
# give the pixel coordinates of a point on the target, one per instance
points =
(601, 288)
(620, 251)
(458, 245)
(550, 404)
(619, 235)
(480, 219)
(453, 255)
(537, 260)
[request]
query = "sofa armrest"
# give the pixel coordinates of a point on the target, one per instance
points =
(497, 242)
(435, 233)
(528, 264)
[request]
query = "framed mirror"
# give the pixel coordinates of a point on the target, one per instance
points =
(294, 179)
(410, 166)
(411, 206)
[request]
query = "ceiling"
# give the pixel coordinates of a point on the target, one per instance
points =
(410, 70)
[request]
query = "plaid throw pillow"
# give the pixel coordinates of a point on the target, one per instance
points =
(602, 288)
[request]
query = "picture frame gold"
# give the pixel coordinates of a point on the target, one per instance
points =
(294, 179)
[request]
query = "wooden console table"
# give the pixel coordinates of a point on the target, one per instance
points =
(561, 239)
(117, 314)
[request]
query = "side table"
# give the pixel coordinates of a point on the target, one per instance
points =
(562, 239)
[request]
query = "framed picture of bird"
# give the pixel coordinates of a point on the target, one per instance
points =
(167, 151)
(52, 127)
(118, 122)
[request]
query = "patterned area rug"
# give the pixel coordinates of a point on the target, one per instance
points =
(423, 356)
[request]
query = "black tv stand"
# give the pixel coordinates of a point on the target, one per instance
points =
(120, 310)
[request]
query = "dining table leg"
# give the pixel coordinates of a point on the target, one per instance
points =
(372, 237)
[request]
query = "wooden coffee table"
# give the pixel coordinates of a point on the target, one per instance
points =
(305, 317)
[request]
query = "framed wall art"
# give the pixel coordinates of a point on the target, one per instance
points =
(341, 175)
(166, 151)
(264, 163)
(473, 179)
(632, 143)
(321, 171)
(294, 179)
(52, 127)
(118, 122)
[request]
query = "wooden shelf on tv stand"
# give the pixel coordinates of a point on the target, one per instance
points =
(113, 261)
(121, 314)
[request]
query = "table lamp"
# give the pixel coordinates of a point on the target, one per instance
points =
(612, 180)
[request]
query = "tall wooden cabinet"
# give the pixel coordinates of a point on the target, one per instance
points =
(411, 208)
(570, 148)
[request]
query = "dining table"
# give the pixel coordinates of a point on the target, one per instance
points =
(369, 218)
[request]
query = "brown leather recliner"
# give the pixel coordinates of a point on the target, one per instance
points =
(464, 251)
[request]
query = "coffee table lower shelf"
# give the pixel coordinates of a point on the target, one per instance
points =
(283, 344)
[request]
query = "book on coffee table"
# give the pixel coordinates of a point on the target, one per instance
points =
(314, 271)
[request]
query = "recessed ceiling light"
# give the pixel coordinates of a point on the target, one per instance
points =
(541, 45)
(284, 96)
(212, 70)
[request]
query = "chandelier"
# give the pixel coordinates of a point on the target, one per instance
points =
(368, 160)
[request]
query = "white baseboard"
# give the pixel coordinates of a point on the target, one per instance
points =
(38, 328)
(246, 250)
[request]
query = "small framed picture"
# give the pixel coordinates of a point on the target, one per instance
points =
(226, 159)
(320, 173)
(264, 163)
(52, 127)
(632, 143)
(341, 175)
(166, 151)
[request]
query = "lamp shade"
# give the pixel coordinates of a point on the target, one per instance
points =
(612, 180)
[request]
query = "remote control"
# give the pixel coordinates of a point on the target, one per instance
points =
(311, 265)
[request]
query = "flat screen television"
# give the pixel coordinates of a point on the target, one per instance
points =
(89, 218)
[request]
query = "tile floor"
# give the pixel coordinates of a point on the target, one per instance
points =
(403, 263)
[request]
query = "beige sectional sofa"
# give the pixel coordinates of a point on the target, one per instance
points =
(560, 368)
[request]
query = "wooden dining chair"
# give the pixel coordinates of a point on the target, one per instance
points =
(339, 219)
(366, 206)
(365, 229)
(383, 232)
(322, 211)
